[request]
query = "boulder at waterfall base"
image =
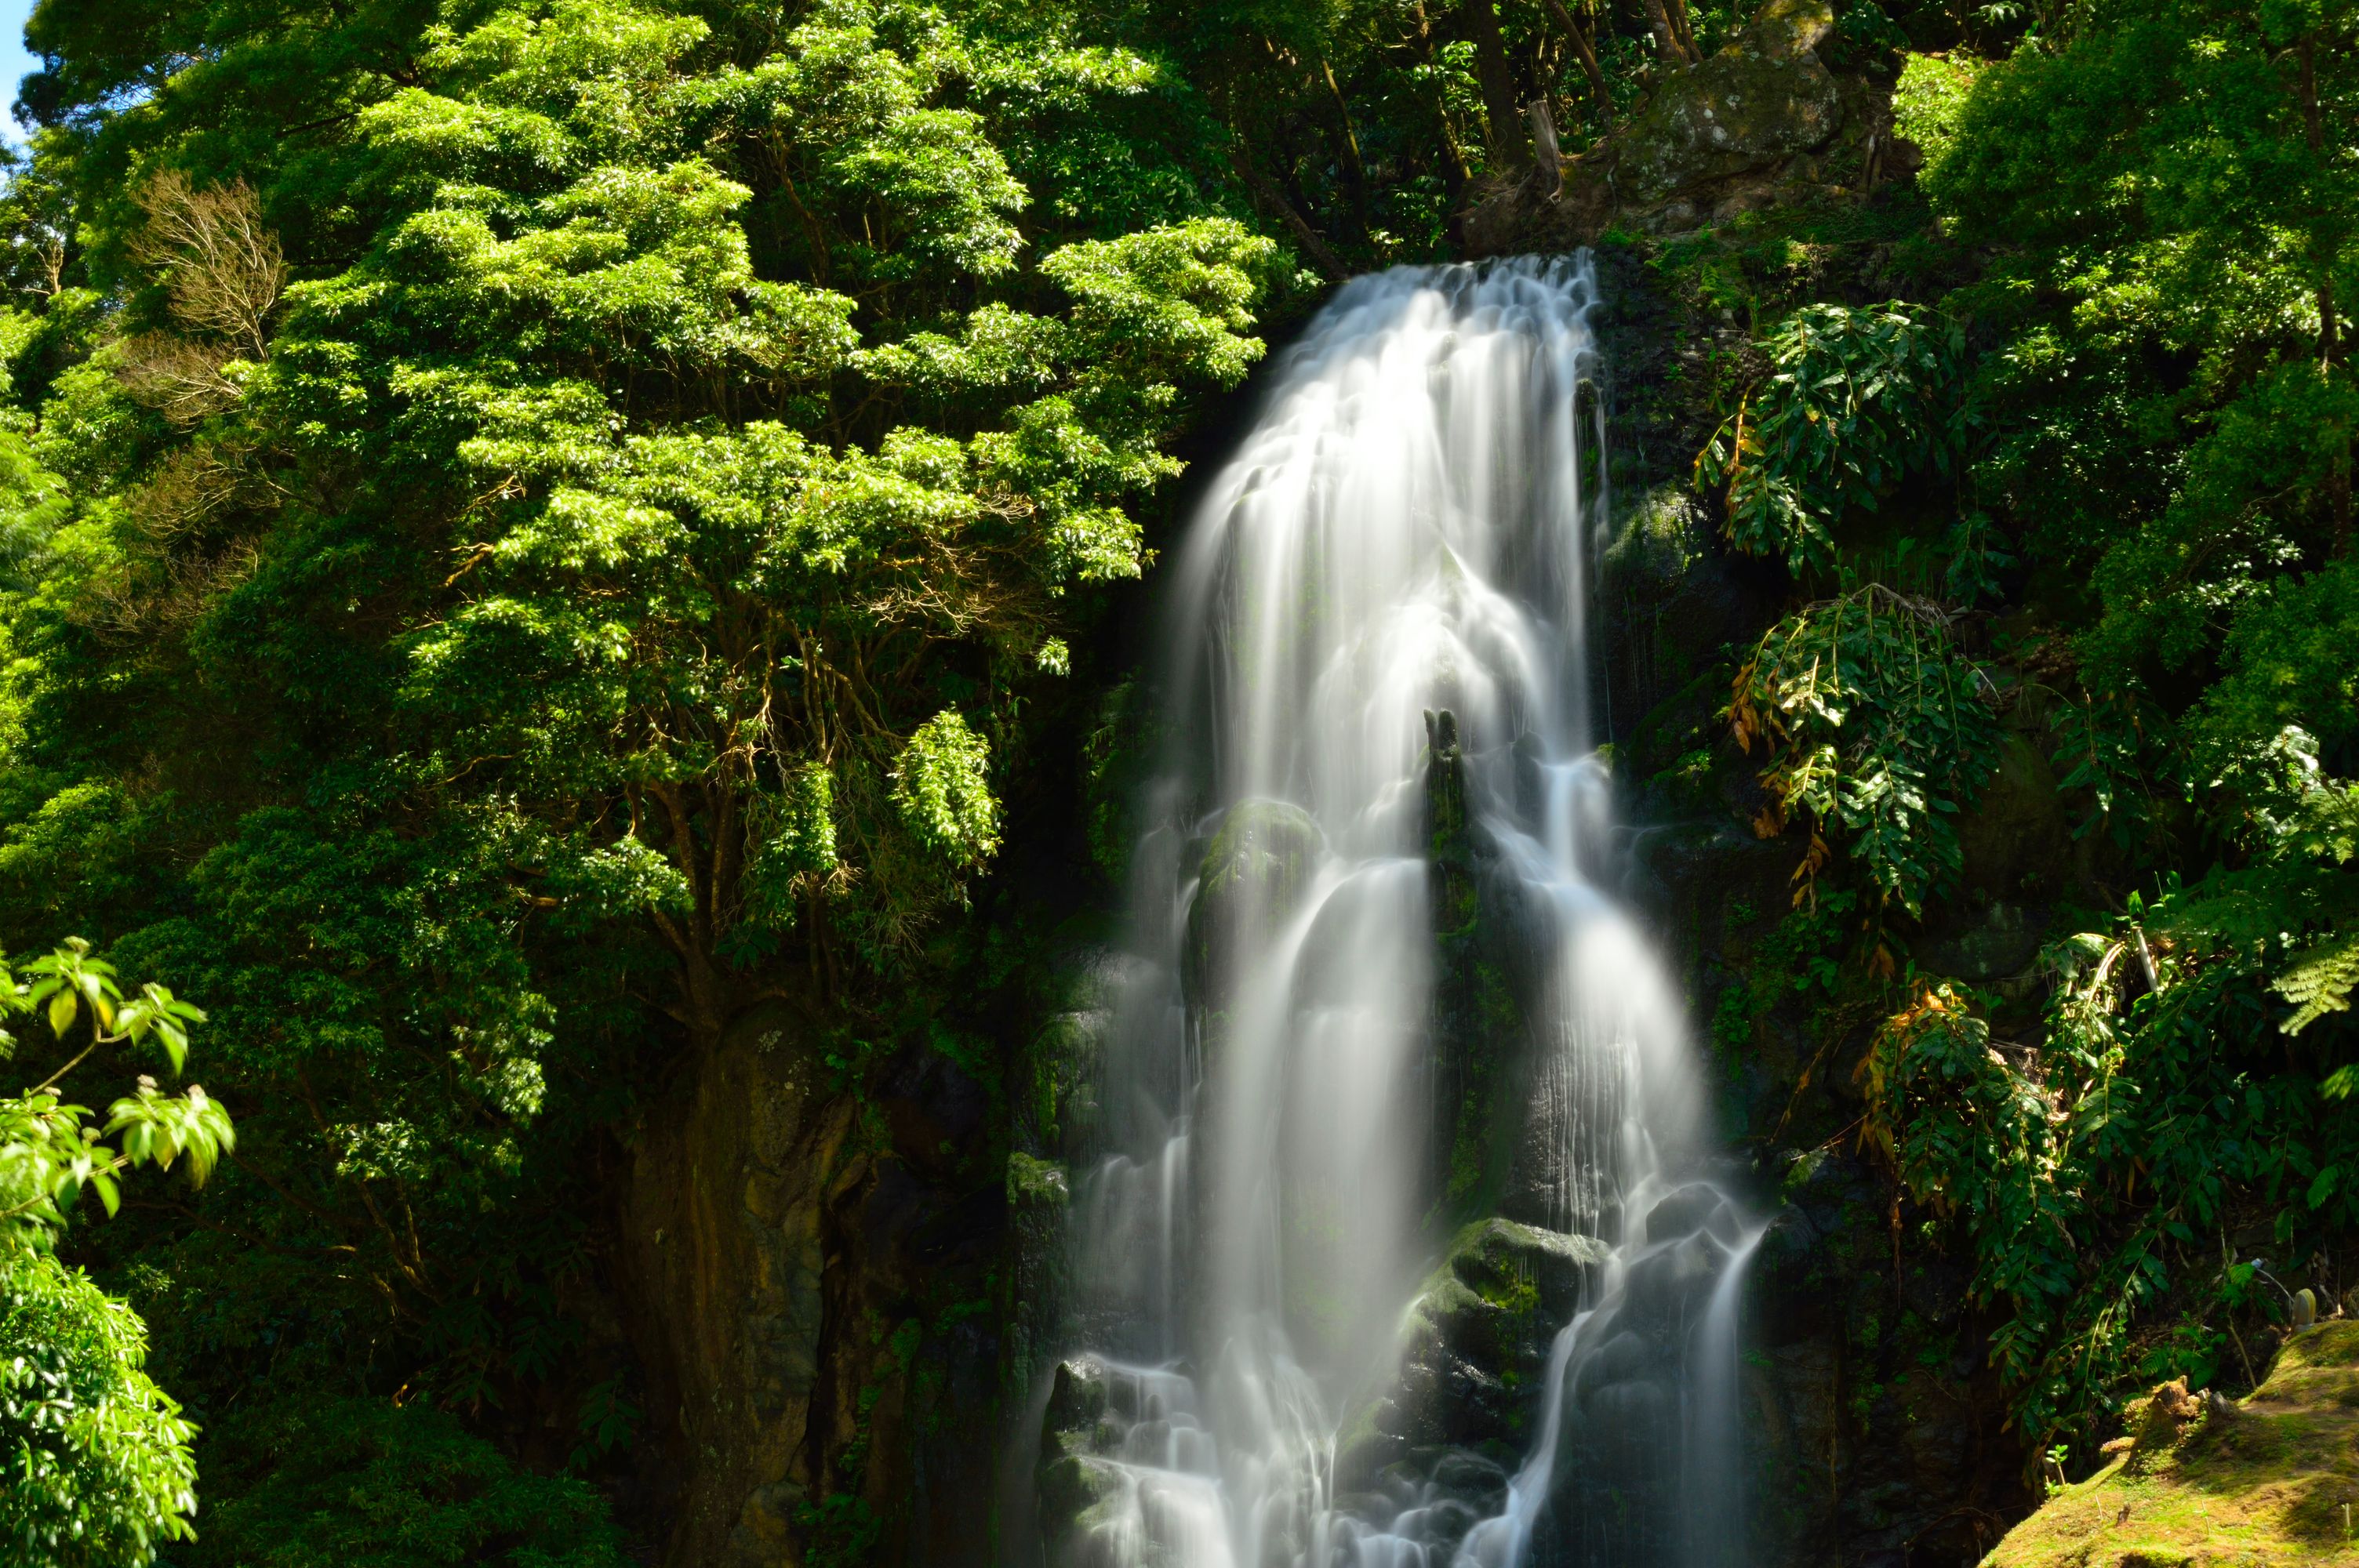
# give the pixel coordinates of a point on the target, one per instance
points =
(1476, 1347)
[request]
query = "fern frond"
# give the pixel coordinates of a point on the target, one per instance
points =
(2319, 984)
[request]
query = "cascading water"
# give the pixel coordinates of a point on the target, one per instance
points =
(1380, 640)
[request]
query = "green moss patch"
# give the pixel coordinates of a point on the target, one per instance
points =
(2273, 1480)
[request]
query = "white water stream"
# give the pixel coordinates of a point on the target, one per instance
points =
(1406, 534)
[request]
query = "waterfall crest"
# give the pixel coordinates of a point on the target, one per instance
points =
(1371, 928)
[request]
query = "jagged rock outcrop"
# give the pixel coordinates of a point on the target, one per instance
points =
(1749, 128)
(1107, 1432)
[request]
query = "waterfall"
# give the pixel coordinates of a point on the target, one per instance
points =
(1379, 650)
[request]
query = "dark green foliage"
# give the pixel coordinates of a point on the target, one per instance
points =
(2147, 393)
(543, 527)
(2098, 1173)
(319, 1485)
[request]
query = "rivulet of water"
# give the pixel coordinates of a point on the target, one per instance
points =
(1399, 550)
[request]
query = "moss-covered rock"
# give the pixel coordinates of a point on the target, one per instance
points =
(1078, 1492)
(2017, 856)
(2268, 1480)
(1475, 1344)
(2015, 841)
(1983, 942)
(1075, 1419)
(1747, 129)
(1760, 101)
(1035, 1184)
(1657, 537)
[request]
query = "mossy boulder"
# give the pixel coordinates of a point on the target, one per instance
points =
(1079, 1495)
(2253, 1483)
(1656, 536)
(2015, 841)
(1762, 100)
(1078, 1485)
(1474, 1347)
(2017, 855)
(1036, 1184)
(1983, 942)
(1754, 126)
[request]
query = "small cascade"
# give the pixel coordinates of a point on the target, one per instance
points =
(1393, 1079)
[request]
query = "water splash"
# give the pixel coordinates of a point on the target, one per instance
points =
(1390, 576)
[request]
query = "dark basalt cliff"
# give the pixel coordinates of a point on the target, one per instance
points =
(818, 1271)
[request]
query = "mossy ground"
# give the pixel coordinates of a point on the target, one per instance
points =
(2266, 1484)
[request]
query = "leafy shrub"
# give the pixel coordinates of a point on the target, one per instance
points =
(2098, 1173)
(1856, 400)
(95, 1470)
(1873, 725)
(1925, 101)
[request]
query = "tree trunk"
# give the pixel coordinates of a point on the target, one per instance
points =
(1455, 175)
(1551, 163)
(1599, 93)
(1355, 175)
(2338, 498)
(1667, 42)
(721, 1258)
(2314, 133)
(1498, 85)
(1267, 196)
(1681, 33)
(2330, 325)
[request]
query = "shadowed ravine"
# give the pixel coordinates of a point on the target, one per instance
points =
(1381, 760)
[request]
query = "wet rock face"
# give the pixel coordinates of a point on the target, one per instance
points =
(1430, 1457)
(1876, 1425)
(1254, 871)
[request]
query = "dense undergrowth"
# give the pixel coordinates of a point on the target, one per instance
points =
(531, 529)
(2149, 528)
